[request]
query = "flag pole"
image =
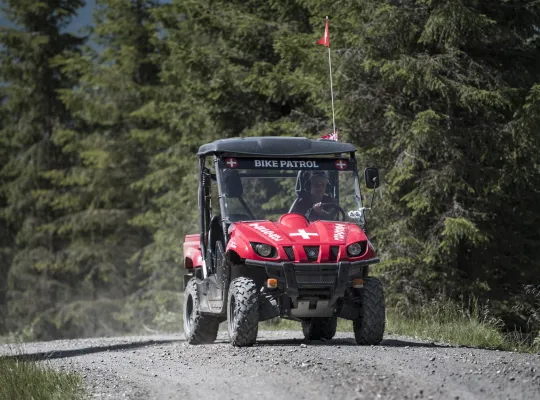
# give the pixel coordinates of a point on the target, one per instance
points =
(331, 87)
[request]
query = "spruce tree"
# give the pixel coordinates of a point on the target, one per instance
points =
(6, 235)
(32, 113)
(97, 257)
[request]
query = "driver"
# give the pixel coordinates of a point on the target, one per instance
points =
(318, 183)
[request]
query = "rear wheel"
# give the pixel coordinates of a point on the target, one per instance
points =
(319, 328)
(369, 326)
(198, 328)
(243, 312)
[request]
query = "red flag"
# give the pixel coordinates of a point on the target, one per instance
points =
(331, 136)
(325, 40)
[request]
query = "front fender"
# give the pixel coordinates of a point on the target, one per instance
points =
(239, 246)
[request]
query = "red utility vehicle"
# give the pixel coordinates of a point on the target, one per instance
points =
(283, 234)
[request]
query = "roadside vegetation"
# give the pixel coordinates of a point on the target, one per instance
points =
(449, 322)
(30, 380)
(442, 321)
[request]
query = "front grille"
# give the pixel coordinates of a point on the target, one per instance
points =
(334, 252)
(355, 270)
(289, 251)
(316, 280)
(315, 276)
(312, 252)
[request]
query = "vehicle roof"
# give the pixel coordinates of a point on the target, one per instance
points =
(276, 146)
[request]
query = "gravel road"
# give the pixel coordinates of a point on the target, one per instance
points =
(283, 366)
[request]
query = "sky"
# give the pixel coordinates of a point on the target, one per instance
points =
(78, 23)
(83, 18)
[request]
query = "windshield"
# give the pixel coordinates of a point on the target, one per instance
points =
(266, 189)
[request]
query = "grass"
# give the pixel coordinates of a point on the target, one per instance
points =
(29, 380)
(447, 329)
(440, 321)
(448, 322)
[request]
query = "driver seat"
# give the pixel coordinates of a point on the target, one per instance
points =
(233, 188)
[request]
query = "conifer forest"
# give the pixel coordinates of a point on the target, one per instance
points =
(99, 131)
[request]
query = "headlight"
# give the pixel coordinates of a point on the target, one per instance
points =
(354, 249)
(263, 249)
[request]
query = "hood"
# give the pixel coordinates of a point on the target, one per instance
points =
(293, 229)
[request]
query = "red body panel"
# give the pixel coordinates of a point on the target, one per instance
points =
(192, 251)
(291, 230)
(295, 230)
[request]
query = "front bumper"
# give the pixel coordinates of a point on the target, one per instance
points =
(304, 279)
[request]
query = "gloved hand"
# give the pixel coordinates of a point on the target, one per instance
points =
(318, 210)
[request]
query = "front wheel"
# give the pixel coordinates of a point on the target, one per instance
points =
(198, 328)
(243, 312)
(369, 326)
(319, 328)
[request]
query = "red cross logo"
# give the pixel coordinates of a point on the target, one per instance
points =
(304, 234)
(231, 162)
(341, 164)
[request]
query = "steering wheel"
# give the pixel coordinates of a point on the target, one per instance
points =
(331, 206)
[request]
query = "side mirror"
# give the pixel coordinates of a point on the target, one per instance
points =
(371, 175)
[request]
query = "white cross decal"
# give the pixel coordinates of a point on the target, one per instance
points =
(341, 164)
(231, 162)
(304, 234)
